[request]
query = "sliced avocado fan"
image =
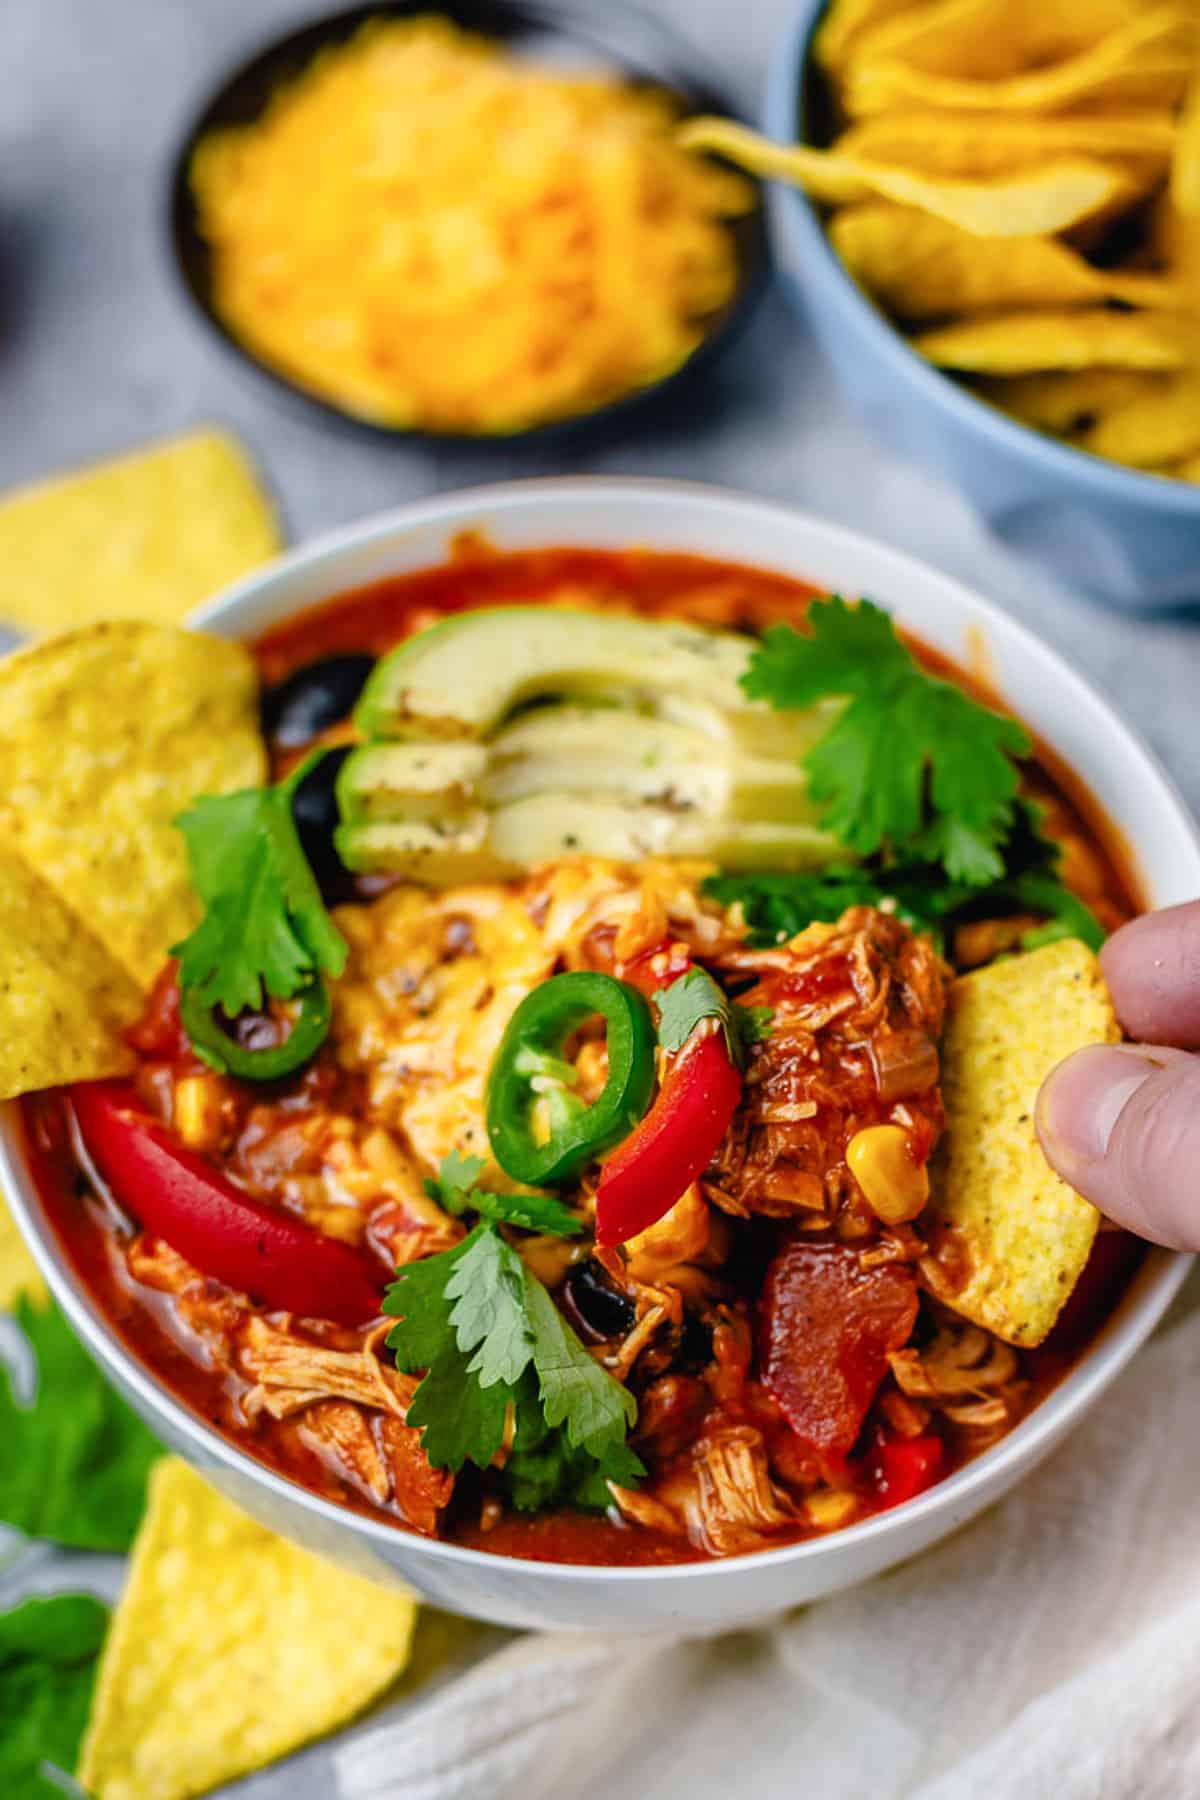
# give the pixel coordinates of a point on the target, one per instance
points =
(512, 736)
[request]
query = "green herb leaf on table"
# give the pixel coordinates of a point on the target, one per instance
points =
(913, 766)
(481, 1328)
(694, 997)
(455, 1186)
(265, 930)
(48, 1654)
(75, 1463)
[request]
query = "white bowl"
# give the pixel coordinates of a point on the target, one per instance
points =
(1064, 712)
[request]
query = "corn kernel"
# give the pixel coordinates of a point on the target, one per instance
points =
(895, 1187)
(829, 1508)
(197, 1112)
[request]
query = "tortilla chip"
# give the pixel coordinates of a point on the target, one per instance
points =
(845, 23)
(1025, 1234)
(19, 1275)
(105, 736)
(982, 145)
(990, 39)
(229, 1648)
(1155, 428)
(1022, 343)
(1148, 61)
(921, 267)
(1070, 401)
(1188, 470)
(63, 997)
(1030, 202)
(1185, 169)
(146, 536)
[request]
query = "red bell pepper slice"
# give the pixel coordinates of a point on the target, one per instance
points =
(179, 1196)
(902, 1468)
(674, 1143)
(826, 1326)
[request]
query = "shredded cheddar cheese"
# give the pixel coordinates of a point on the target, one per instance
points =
(429, 232)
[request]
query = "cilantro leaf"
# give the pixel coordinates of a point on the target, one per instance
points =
(459, 1420)
(487, 1285)
(48, 1654)
(75, 1462)
(912, 766)
(576, 1392)
(455, 1187)
(543, 1469)
(776, 907)
(265, 930)
(478, 1323)
(694, 997)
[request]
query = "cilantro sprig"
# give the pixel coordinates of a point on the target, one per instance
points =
(694, 997)
(776, 907)
(456, 1187)
(265, 930)
(912, 767)
(488, 1337)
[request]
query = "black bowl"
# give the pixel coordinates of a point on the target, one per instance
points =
(634, 44)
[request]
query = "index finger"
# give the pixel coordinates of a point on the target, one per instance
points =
(1152, 967)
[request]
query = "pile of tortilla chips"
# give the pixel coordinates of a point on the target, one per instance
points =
(1017, 184)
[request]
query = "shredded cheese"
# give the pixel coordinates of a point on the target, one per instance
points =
(430, 232)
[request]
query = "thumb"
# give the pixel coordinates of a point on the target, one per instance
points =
(1121, 1124)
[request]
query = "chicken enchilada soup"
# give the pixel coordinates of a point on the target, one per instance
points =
(579, 1104)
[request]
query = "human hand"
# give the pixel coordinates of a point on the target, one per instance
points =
(1121, 1122)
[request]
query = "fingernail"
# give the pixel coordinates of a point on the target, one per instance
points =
(1083, 1098)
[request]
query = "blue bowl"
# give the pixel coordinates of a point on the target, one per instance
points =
(1127, 538)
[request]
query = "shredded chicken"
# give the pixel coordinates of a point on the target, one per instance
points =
(720, 1496)
(845, 997)
(961, 1360)
(204, 1310)
(291, 1372)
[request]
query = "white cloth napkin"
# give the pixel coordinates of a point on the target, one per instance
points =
(1050, 1649)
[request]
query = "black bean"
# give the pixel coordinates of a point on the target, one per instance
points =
(313, 698)
(315, 810)
(596, 1303)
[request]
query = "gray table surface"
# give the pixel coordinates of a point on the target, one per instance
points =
(99, 351)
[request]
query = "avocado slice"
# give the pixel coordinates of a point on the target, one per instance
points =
(410, 781)
(640, 761)
(468, 672)
(548, 827)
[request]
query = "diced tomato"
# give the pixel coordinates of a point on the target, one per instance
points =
(826, 1326)
(902, 1468)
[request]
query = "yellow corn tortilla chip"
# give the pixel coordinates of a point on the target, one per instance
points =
(846, 21)
(229, 1648)
(1154, 428)
(1026, 1236)
(1022, 343)
(1071, 400)
(1030, 202)
(106, 735)
(991, 39)
(1185, 169)
(1147, 61)
(978, 144)
(63, 997)
(18, 1272)
(1188, 470)
(922, 267)
(145, 536)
